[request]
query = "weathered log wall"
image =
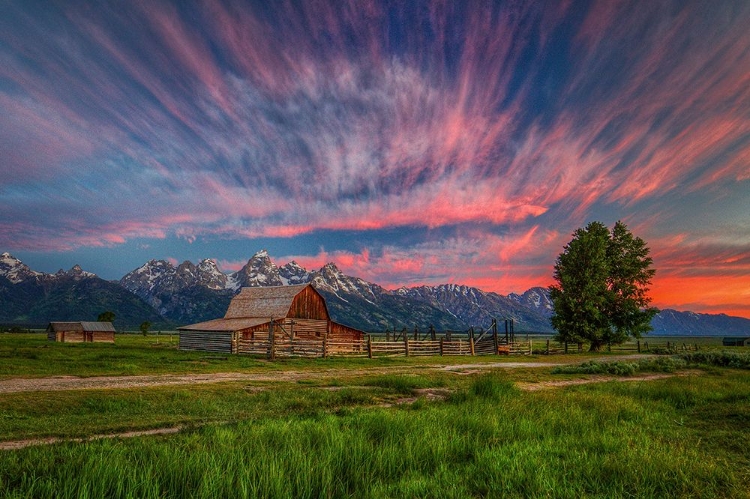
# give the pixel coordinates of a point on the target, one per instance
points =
(81, 336)
(71, 336)
(207, 341)
(103, 337)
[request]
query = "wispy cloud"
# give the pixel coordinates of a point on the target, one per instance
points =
(240, 120)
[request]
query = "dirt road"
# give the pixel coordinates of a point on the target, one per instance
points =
(125, 382)
(58, 383)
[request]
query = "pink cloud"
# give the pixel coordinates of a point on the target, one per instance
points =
(476, 259)
(230, 265)
(137, 123)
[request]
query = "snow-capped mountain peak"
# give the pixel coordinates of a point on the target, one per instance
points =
(14, 269)
(535, 298)
(208, 274)
(258, 271)
(76, 272)
(294, 273)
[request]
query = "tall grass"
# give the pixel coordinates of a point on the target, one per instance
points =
(489, 440)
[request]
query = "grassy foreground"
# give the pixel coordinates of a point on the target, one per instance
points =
(351, 435)
(677, 437)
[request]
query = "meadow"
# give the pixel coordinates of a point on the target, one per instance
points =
(418, 432)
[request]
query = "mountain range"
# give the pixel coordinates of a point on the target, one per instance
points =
(169, 295)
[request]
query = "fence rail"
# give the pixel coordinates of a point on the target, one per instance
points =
(375, 347)
(415, 343)
(550, 347)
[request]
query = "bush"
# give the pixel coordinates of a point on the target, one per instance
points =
(594, 367)
(661, 351)
(736, 360)
(662, 364)
(621, 368)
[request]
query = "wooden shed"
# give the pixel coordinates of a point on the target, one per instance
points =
(262, 314)
(81, 332)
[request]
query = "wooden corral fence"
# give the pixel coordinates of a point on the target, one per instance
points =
(278, 342)
(653, 347)
(669, 346)
(550, 347)
(286, 346)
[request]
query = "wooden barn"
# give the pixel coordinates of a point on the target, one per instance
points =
(81, 332)
(268, 316)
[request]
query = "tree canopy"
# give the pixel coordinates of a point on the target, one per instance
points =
(602, 280)
(107, 316)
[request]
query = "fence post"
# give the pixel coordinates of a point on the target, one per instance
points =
(531, 350)
(441, 346)
(547, 347)
(471, 345)
(494, 337)
(406, 344)
(638, 343)
(369, 346)
(271, 342)
(566, 347)
(416, 333)
(432, 333)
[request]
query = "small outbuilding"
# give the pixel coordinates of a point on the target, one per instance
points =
(734, 341)
(260, 315)
(81, 332)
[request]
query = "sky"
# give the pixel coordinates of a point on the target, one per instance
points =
(419, 142)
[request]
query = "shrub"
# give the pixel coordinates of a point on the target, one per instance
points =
(662, 364)
(621, 368)
(595, 367)
(736, 360)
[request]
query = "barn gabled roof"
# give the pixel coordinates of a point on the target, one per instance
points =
(226, 325)
(87, 326)
(263, 302)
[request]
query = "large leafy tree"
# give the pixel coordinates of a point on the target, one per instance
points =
(601, 290)
(107, 316)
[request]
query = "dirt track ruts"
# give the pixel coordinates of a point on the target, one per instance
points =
(120, 382)
(62, 383)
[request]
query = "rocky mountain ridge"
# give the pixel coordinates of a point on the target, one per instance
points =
(187, 293)
(30, 297)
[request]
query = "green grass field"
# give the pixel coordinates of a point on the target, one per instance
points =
(372, 435)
